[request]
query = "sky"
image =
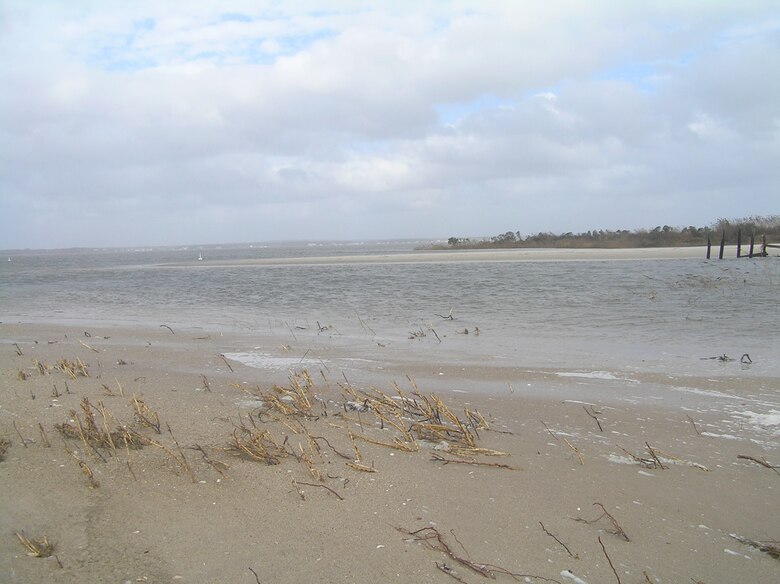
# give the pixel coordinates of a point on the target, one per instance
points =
(127, 123)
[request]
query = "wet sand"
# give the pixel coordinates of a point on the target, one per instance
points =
(149, 520)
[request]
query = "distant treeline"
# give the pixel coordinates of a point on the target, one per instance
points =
(661, 236)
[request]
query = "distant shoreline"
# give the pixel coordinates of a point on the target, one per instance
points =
(482, 255)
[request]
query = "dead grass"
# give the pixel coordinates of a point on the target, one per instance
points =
(4, 446)
(72, 369)
(39, 547)
(251, 443)
(93, 426)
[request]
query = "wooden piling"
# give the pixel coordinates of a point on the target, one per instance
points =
(722, 245)
(739, 243)
(752, 241)
(709, 246)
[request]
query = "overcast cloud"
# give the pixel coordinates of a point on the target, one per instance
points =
(149, 123)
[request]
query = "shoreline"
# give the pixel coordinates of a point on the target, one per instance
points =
(151, 518)
(492, 255)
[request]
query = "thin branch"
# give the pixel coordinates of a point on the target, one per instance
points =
(339, 497)
(592, 414)
(450, 572)
(439, 458)
(546, 427)
(228, 365)
(694, 425)
(568, 551)
(257, 578)
(760, 461)
(617, 529)
(614, 571)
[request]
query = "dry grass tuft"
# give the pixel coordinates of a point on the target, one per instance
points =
(296, 400)
(418, 417)
(91, 426)
(145, 416)
(255, 444)
(72, 369)
(4, 446)
(37, 547)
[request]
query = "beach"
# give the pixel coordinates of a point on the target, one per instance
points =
(573, 475)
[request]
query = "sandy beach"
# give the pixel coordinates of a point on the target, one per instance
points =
(513, 486)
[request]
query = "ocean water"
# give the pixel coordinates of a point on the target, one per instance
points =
(653, 313)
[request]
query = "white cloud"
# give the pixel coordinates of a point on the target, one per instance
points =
(140, 121)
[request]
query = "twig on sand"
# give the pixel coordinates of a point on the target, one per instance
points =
(450, 572)
(339, 497)
(257, 578)
(575, 450)
(568, 551)
(655, 456)
(761, 461)
(217, 465)
(181, 453)
(433, 540)
(768, 547)
(445, 461)
(694, 425)
(93, 484)
(44, 436)
(24, 442)
(616, 528)
(592, 413)
(546, 427)
(609, 560)
(169, 328)
(91, 348)
(360, 467)
(341, 454)
(226, 362)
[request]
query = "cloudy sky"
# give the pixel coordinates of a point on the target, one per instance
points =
(146, 123)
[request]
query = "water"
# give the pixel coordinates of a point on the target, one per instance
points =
(670, 313)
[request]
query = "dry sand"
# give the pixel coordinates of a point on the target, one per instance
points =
(150, 521)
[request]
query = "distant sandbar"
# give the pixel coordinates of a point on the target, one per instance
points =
(492, 255)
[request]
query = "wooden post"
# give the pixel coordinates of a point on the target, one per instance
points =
(739, 243)
(709, 245)
(752, 241)
(722, 245)
(763, 246)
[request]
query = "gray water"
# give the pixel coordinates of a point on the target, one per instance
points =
(549, 312)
